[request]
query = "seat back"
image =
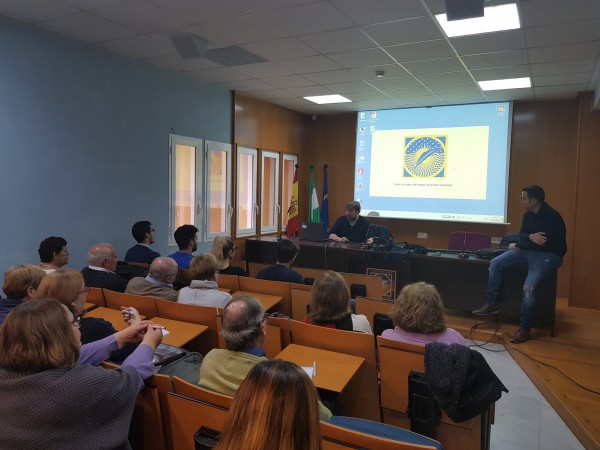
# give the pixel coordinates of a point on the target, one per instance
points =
(469, 240)
(362, 399)
(280, 288)
(370, 306)
(396, 360)
(196, 392)
(139, 264)
(255, 267)
(334, 438)
(186, 416)
(371, 282)
(96, 297)
(202, 315)
(300, 300)
(145, 305)
(239, 263)
(230, 282)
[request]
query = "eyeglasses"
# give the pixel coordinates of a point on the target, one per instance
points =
(152, 230)
(76, 322)
(85, 291)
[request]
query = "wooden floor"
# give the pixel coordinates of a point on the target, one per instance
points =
(575, 350)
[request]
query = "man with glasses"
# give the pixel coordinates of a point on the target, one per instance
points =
(244, 329)
(187, 241)
(143, 233)
(158, 282)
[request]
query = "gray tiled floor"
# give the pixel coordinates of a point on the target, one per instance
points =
(524, 419)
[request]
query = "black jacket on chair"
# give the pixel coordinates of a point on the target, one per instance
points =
(461, 380)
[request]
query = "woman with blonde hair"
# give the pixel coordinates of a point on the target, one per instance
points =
(19, 285)
(275, 407)
(52, 395)
(224, 249)
(330, 305)
(67, 286)
(418, 317)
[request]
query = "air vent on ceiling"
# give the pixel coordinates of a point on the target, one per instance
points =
(232, 56)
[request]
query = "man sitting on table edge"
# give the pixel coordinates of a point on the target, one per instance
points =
(351, 227)
(244, 328)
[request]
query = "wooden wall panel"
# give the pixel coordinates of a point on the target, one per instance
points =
(554, 144)
(585, 283)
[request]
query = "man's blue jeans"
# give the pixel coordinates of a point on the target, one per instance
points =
(539, 265)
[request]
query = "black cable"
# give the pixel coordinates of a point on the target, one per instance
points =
(482, 346)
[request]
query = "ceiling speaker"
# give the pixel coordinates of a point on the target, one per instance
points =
(463, 9)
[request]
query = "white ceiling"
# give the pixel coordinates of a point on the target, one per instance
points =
(315, 47)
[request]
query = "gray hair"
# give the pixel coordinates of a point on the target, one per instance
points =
(162, 267)
(240, 329)
(98, 253)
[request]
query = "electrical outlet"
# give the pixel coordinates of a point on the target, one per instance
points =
(421, 235)
(496, 240)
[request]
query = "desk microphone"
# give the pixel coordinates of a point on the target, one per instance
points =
(464, 254)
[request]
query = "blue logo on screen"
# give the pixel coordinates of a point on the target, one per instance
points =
(425, 156)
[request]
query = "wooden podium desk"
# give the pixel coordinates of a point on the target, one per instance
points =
(334, 370)
(266, 300)
(114, 316)
(181, 333)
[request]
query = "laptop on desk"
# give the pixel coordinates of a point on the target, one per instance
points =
(312, 231)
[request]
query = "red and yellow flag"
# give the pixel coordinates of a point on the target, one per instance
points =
(293, 224)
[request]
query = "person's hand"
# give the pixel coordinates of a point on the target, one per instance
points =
(512, 246)
(131, 316)
(369, 241)
(133, 334)
(153, 336)
(344, 239)
(538, 238)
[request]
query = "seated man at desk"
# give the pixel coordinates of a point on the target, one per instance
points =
(100, 273)
(143, 233)
(158, 282)
(244, 328)
(351, 227)
(287, 251)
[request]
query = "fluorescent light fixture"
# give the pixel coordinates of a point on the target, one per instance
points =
(323, 99)
(495, 18)
(509, 83)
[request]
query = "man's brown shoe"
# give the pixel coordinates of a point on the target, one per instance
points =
(485, 310)
(520, 336)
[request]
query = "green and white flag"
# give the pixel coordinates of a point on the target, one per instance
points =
(314, 213)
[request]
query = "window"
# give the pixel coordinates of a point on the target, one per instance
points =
(218, 189)
(200, 186)
(269, 198)
(246, 201)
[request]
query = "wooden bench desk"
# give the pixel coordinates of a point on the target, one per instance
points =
(267, 300)
(114, 316)
(334, 370)
(180, 332)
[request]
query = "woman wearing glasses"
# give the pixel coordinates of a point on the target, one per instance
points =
(67, 286)
(224, 249)
(50, 398)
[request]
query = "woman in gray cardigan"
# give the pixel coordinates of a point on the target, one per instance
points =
(51, 399)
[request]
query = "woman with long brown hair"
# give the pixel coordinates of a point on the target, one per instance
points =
(49, 398)
(330, 305)
(274, 408)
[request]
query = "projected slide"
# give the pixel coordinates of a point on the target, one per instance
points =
(444, 163)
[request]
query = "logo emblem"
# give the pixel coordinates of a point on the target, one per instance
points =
(425, 156)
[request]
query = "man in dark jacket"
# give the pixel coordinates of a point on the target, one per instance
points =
(542, 245)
